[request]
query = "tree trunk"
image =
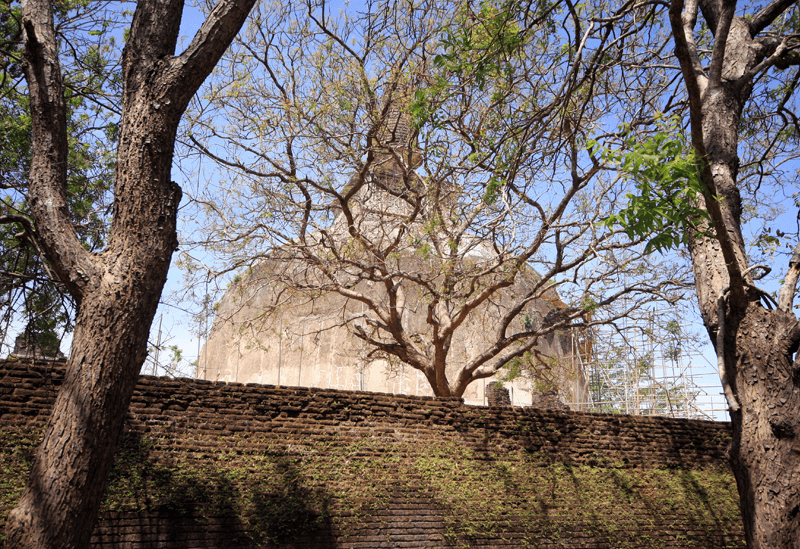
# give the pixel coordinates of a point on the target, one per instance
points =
(117, 291)
(765, 430)
(758, 348)
(758, 343)
(59, 505)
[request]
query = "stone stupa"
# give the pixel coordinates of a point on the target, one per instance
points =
(265, 332)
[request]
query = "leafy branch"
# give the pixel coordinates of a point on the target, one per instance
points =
(666, 207)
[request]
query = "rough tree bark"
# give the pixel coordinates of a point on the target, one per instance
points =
(755, 341)
(117, 291)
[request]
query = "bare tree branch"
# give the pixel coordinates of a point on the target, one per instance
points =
(767, 15)
(786, 293)
(191, 68)
(48, 171)
(721, 33)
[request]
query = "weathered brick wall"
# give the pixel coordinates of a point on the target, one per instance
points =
(208, 465)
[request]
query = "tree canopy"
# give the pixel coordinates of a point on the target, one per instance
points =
(447, 156)
(577, 139)
(443, 155)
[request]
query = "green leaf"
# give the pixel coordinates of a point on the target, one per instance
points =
(666, 174)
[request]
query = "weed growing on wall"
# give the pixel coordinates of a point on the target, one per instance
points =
(277, 493)
(489, 494)
(16, 458)
(286, 480)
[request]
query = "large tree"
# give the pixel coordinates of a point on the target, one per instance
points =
(740, 73)
(117, 290)
(427, 163)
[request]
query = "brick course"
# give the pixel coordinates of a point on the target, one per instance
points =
(211, 465)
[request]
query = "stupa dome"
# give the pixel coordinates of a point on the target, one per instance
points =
(299, 317)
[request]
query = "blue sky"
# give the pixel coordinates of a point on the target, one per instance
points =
(173, 323)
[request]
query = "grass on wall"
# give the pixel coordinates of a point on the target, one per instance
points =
(275, 493)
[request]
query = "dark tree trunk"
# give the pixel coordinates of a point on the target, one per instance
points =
(757, 344)
(765, 443)
(117, 291)
(60, 502)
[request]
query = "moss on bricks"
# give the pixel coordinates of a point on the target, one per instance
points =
(204, 465)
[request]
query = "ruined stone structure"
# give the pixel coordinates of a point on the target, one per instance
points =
(305, 344)
(497, 396)
(205, 465)
(28, 345)
(267, 332)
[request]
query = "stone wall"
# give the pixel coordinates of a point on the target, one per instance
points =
(212, 465)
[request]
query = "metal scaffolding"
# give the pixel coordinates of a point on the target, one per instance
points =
(649, 365)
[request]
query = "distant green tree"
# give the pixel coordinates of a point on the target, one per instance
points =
(30, 295)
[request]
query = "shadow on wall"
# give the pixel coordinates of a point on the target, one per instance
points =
(208, 466)
(240, 500)
(525, 479)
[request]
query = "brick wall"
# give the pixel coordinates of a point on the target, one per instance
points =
(208, 465)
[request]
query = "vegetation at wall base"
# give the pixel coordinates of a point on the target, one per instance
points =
(278, 467)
